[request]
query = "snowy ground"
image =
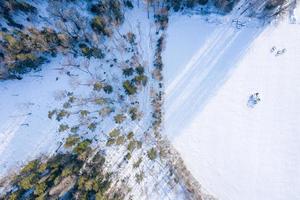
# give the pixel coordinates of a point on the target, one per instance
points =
(234, 151)
(26, 132)
(24, 107)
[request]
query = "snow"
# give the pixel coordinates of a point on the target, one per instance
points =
(235, 152)
(212, 68)
(24, 107)
(27, 132)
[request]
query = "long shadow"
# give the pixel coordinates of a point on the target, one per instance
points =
(198, 60)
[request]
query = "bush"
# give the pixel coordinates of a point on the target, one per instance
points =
(110, 141)
(139, 177)
(40, 189)
(120, 140)
(92, 126)
(98, 86)
(119, 118)
(71, 140)
(108, 89)
(137, 163)
(31, 166)
(105, 111)
(131, 145)
(25, 63)
(114, 133)
(63, 127)
(141, 79)
(28, 181)
(130, 135)
(133, 113)
(140, 70)
(82, 146)
(128, 71)
(130, 89)
(152, 154)
(91, 52)
(99, 25)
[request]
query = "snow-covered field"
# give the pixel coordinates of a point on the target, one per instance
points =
(24, 107)
(211, 69)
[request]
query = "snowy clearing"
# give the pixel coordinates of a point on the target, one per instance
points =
(235, 151)
(24, 107)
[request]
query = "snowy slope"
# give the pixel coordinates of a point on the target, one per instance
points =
(234, 151)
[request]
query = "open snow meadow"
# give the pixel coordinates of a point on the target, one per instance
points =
(150, 100)
(212, 68)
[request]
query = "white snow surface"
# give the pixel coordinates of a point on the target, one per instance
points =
(234, 151)
(24, 106)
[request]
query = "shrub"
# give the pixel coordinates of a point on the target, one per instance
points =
(91, 52)
(105, 111)
(84, 113)
(28, 182)
(128, 71)
(120, 140)
(133, 113)
(92, 126)
(99, 25)
(131, 145)
(61, 114)
(139, 177)
(114, 133)
(130, 89)
(108, 89)
(128, 156)
(63, 127)
(137, 163)
(25, 63)
(140, 70)
(101, 101)
(130, 135)
(152, 154)
(74, 129)
(71, 140)
(119, 118)
(40, 189)
(82, 146)
(110, 141)
(131, 37)
(141, 79)
(31, 166)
